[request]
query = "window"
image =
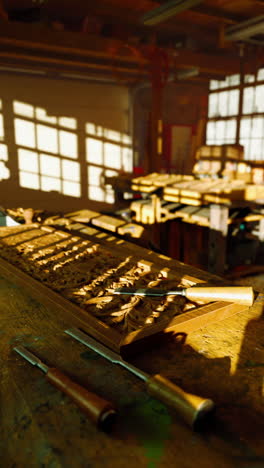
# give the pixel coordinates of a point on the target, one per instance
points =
(223, 114)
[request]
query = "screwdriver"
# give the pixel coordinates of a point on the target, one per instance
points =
(192, 408)
(100, 411)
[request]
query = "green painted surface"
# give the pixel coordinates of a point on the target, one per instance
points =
(150, 423)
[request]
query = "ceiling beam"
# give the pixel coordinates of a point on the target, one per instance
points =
(167, 10)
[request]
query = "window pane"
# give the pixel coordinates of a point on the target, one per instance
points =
(28, 160)
(210, 131)
(47, 139)
(220, 131)
(248, 100)
(223, 104)
(256, 149)
(259, 102)
(214, 84)
(223, 83)
(49, 165)
(231, 126)
(68, 144)
(257, 127)
(25, 133)
(260, 75)
(234, 80)
(249, 78)
(94, 151)
(245, 127)
(246, 144)
(213, 105)
(233, 102)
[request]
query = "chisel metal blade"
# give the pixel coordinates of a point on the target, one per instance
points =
(150, 292)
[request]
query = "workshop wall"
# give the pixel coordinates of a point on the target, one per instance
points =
(184, 105)
(58, 138)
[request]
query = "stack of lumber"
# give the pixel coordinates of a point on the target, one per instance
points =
(205, 191)
(154, 181)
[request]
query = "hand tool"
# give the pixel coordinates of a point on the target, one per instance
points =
(239, 294)
(100, 411)
(192, 408)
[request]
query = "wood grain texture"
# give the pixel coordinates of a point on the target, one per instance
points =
(42, 252)
(41, 427)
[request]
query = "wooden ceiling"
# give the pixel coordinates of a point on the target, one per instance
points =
(106, 39)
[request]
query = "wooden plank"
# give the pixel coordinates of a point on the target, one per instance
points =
(108, 222)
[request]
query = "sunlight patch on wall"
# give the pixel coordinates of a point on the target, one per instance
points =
(23, 109)
(71, 188)
(96, 193)
(94, 151)
(68, 144)
(47, 139)
(41, 169)
(70, 170)
(49, 165)
(28, 160)
(2, 131)
(107, 152)
(29, 180)
(112, 156)
(41, 115)
(68, 122)
(25, 133)
(49, 184)
(4, 170)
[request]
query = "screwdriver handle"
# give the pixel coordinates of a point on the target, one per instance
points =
(100, 411)
(238, 294)
(192, 408)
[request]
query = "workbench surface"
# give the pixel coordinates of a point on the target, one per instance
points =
(40, 427)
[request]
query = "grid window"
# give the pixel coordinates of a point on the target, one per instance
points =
(225, 102)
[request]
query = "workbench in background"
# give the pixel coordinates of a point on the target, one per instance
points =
(41, 427)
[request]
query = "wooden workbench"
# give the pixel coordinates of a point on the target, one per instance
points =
(42, 428)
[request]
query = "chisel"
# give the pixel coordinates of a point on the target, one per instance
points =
(192, 408)
(239, 294)
(100, 411)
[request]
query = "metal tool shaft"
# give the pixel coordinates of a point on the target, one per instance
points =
(34, 360)
(105, 352)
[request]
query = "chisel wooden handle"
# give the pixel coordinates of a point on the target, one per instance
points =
(240, 295)
(100, 411)
(191, 408)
